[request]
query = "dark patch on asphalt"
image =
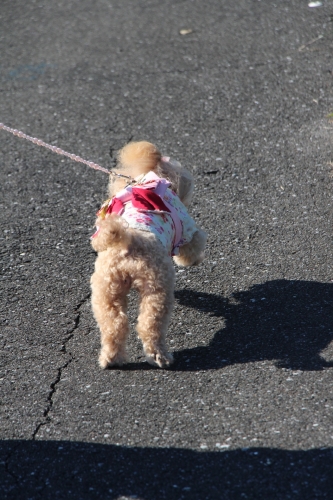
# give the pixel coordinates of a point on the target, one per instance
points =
(62, 470)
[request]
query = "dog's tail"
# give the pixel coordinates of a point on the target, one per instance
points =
(110, 232)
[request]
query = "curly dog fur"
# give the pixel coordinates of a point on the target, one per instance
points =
(131, 258)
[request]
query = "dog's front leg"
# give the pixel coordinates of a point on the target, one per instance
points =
(192, 253)
(109, 304)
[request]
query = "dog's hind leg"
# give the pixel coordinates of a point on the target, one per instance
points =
(109, 304)
(157, 298)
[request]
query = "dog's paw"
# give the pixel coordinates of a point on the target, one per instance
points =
(160, 359)
(107, 359)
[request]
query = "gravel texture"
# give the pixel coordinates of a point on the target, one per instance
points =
(243, 99)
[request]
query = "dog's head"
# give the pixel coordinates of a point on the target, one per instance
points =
(138, 158)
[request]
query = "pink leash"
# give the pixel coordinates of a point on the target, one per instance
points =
(59, 151)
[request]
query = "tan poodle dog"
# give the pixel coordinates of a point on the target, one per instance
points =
(139, 229)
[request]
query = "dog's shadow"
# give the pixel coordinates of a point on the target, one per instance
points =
(290, 322)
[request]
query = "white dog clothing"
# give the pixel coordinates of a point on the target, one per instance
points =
(150, 205)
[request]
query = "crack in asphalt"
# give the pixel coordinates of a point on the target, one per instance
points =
(114, 149)
(60, 370)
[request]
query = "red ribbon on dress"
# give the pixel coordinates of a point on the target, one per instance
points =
(142, 199)
(145, 199)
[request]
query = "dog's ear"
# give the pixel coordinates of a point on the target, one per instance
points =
(181, 179)
(116, 184)
(186, 187)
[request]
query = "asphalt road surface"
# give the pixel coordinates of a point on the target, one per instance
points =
(243, 98)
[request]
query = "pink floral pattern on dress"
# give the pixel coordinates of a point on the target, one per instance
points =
(161, 224)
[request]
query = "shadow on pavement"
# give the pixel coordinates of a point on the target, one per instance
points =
(62, 470)
(287, 321)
